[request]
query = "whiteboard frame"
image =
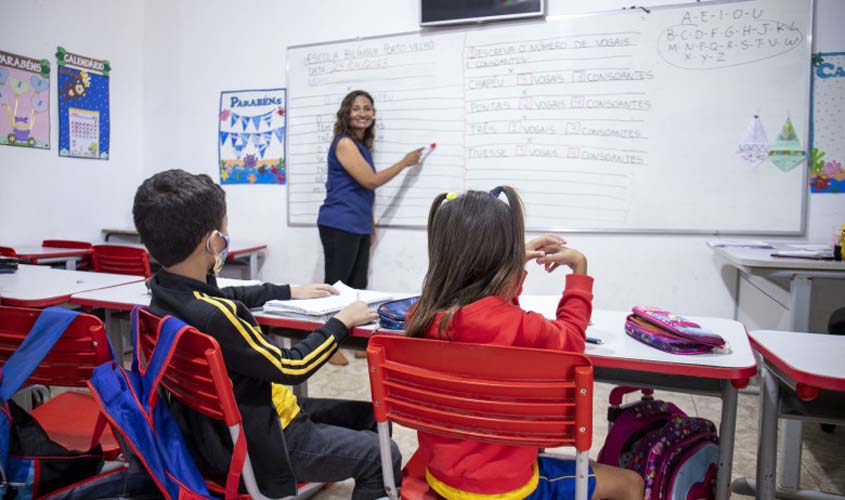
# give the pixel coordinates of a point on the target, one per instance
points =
(548, 19)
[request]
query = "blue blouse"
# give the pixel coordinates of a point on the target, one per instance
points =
(348, 205)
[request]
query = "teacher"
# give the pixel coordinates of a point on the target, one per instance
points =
(346, 219)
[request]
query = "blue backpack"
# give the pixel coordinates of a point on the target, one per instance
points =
(31, 464)
(137, 410)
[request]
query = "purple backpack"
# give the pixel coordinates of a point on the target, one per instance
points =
(676, 455)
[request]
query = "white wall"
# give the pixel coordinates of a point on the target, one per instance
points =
(42, 195)
(193, 49)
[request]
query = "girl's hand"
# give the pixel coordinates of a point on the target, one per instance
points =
(356, 313)
(314, 291)
(412, 158)
(540, 246)
(564, 256)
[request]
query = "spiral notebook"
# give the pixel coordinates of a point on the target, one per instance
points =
(324, 308)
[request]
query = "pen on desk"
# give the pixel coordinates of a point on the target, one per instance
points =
(594, 340)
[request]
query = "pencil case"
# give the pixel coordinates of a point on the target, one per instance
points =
(681, 336)
(678, 326)
(392, 315)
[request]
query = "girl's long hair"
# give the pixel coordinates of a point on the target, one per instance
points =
(341, 124)
(476, 249)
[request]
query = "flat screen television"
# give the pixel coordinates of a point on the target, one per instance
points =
(438, 12)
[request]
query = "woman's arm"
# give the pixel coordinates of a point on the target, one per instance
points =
(355, 164)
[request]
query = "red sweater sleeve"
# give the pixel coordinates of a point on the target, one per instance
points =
(568, 332)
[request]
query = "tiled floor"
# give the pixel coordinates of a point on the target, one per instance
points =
(823, 454)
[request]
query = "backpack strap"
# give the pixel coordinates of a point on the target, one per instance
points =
(50, 325)
(48, 328)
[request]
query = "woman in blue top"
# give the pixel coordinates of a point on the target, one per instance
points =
(346, 216)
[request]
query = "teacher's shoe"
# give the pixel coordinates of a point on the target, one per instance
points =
(338, 359)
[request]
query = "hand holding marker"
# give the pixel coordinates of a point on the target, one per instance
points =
(427, 151)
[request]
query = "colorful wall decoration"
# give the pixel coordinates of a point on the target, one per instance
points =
(251, 136)
(83, 106)
(24, 101)
(827, 124)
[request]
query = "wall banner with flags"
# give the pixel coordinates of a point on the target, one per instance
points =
(251, 136)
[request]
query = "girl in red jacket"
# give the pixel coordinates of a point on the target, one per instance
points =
(476, 268)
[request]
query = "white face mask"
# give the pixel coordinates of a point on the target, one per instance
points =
(219, 258)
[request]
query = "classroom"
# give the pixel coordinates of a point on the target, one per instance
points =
(675, 145)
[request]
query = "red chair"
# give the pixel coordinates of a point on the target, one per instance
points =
(495, 394)
(8, 252)
(70, 418)
(121, 260)
(84, 263)
(196, 375)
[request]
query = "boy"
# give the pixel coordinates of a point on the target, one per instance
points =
(181, 218)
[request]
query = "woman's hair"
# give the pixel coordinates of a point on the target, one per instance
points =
(341, 124)
(476, 248)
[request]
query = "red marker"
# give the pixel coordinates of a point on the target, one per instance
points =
(427, 151)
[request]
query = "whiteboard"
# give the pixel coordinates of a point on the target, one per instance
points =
(620, 122)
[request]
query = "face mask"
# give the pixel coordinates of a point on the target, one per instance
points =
(219, 258)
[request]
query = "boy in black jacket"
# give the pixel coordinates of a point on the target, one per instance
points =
(181, 218)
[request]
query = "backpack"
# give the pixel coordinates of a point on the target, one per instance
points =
(31, 464)
(676, 455)
(137, 409)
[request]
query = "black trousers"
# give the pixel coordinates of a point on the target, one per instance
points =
(332, 440)
(347, 256)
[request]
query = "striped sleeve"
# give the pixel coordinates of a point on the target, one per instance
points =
(248, 352)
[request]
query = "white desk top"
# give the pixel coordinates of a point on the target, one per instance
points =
(125, 297)
(762, 257)
(808, 358)
(38, 251)
(39, 286)
(618, 349)
(609, 326)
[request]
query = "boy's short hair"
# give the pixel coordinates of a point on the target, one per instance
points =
(173, 210)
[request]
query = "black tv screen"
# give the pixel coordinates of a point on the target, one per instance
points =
(435, 12)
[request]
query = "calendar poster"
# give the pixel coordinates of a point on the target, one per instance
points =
(84, 128)
(24, 101)
(83, 97)
(251, 137)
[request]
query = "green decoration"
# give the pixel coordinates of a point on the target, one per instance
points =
(816, 161)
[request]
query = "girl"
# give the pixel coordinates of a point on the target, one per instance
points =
(345, 219)
(475, 274)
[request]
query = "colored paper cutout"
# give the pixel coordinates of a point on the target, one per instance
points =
(786, 152)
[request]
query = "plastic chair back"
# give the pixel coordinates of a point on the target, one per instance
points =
(118, 259)
(496, 394)
(196, 375)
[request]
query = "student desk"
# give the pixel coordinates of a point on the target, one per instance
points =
(625, 361)
(763, 271)
(803, 377)
(124, 298)
(40, 286)
(51, 255)
(239, 252)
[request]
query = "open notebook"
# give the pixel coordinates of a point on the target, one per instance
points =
(324, 308)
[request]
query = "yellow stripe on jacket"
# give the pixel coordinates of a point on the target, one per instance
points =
(451, 493)
(255, 339)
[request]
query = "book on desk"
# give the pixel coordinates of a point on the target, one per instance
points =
(321, 309)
